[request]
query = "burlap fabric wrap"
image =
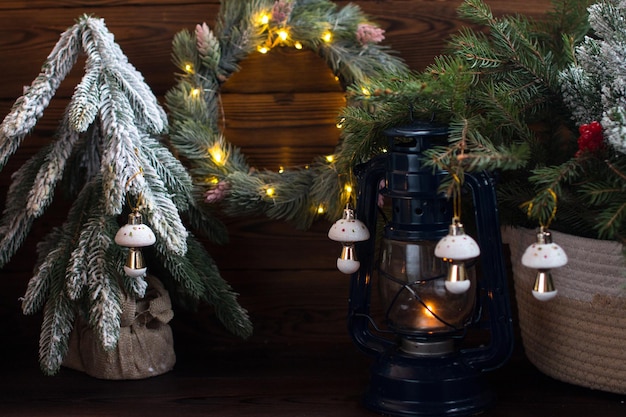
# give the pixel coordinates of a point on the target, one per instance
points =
(578, 337)
(145, 347)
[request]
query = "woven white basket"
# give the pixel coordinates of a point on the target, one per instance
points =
(579, 336)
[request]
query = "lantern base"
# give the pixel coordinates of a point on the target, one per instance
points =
(407, 385)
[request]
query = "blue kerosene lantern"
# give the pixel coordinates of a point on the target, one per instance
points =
(428, 367)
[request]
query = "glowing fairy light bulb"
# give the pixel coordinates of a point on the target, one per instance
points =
(340, 123)
(194, 93)
(283, 35)
(327, 36)
(298, 45)
(189, 68)
(270, 192)
(281, 169)
(263, 49)
(264, 19)
(320, 209)
(218, 155)
(330, 158)
(348, 188)
(365, 91)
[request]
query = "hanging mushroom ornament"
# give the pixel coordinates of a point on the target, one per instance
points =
(543, 256)
(348, 230)
(135, 235)
(456, 248)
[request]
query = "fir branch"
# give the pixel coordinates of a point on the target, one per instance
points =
(219, 293)
(607, 20)
(16, 222)
(505, 108)
(106, 57)
(197, 274)
(192, 139)
(85, 102)
(120, 163)
(166, 167)
(27, 109)
(105, 307)
(56, 250)
(476, 48)
(237, 32)
(162, 214)
(181, 106)
(48, 283)
(549, 181)
(610, 220)
(359, 66)
(600, 193)
(82, 261)
(58, 319)
(185, 51)
(84, 162)
(46, 272)
(143, 104)
(565, 25)
(201, 217)
(244, 196)
(290, 200)
(187, 282)
(51, 170)
(476, 11)
(135, 286)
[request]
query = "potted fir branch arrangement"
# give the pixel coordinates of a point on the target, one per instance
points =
(541, 102)
(102, 313)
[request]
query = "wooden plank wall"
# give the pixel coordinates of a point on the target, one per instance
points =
(279, 108)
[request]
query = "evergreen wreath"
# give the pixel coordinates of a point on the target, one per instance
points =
(344, 38)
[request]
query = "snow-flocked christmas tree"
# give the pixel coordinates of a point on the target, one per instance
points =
(109, 156)
(594, 86)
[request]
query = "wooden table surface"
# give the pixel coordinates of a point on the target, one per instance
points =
(291, 380)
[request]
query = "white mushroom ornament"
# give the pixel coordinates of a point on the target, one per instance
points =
(348, 230)
(135, 235)
(543, 256)
(456, 248)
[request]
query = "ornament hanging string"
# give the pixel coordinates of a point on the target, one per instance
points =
(545, 225)
(139, 197)
(456, 198)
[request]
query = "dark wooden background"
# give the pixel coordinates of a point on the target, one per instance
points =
(281, 110)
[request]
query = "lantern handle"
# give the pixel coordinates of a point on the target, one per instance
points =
(369, 175)
(500, 347)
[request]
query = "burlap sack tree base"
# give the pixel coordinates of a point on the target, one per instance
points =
(145, 347)
(578, 337)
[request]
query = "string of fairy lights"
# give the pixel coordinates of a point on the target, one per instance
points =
(344, 38)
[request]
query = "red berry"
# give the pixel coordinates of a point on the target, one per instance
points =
(590, 139)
